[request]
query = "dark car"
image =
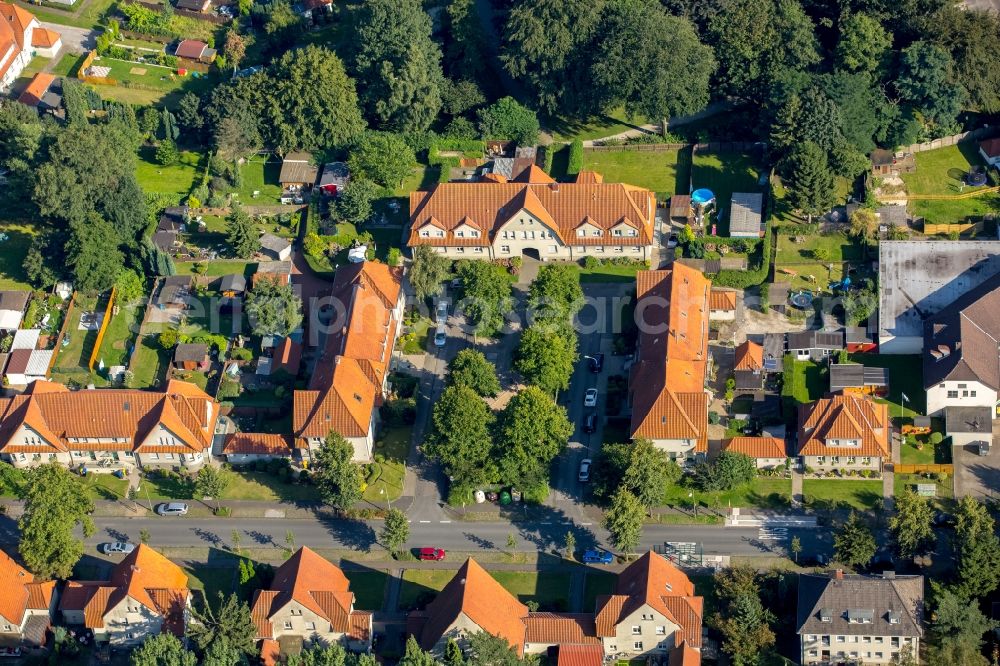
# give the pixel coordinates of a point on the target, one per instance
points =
(436, 554)
(596, 363)
(597, 556)
(590, 423)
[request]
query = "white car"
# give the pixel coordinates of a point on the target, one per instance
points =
(584, 475)
(442, 311)
(116, 547)
(672, 240)
(590, 398)
(440, 336)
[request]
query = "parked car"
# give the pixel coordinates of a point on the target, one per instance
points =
(596, 363)
(442, 311)
(584, 475)
(440, 336)
(672, 240)
(590, 423)
(597, 556)
(172, 509)
(590, 398)
(116, 547)
(10, 652)
(436, 554)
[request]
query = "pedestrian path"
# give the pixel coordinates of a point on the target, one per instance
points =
(797, 475)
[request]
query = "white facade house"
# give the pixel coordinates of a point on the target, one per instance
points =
(21, 38)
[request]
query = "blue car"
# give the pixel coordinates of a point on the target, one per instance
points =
(596, 556)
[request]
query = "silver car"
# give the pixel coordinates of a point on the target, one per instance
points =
(116, 547)
(172, 509)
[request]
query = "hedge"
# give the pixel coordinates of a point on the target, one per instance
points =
(760, 268)
(548, 155)
(575, 158)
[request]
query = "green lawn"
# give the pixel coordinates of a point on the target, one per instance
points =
(815, 276)
(121, 334)
(941, 171)
(765, 492)
(566, 129)
(143, 74)
(260, 175)
(612, 272)
(955, 211)
(551, 591)
(175, 181)
(945, 494)
(210, 581)
(91, 13)
(368, 588)
(804, 381)
(414, 341)
(724, 174)
(74, 356)
(597, 583)
(782, 210)
(104, 486)
(906, 375)
(68, 64)
(216, 267)
(12, 253)
(664, 172)
(151, 363)
(244, 485)
(842, 493)
(387, 476)
(836, 246)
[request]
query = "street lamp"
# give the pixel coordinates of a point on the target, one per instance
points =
(694, 503)
(381, 491)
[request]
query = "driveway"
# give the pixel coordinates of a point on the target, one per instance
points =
(977, 475)
(74, 40)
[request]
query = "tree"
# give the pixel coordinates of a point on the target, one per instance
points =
(487, 295)
(533, 430)
(337, 476)
(399, 63)
(546, 357)
(320, 655)
(236, 114)
(730, 470)
(854, 544)
(162, 650)
(650, 62)
(863, 43)
(313, 103)
(796, 547)
(167, 338)
(485, 648)
(811, 186)
(354, 204)
(507, 119)
(381, 157)
(963, 33)
(555, 295)
(281, 25)
(166, 153)
(569, 545)
(241, 233)
(427, 272)
(958, 626)
(395, 531)
(273, 308)
(130, 287)
(234, 48)
(229, 629)
(463, 95)
(926, 81)
(471, 368)
(462, 440)
(649, 473)
(211, 482)
(624, 520)
(55, 503)
(93, 253)
(453, 654)
(864, 226)
(413, 655)
(977, 548)
(913, 524)
(545, 46)
(745, 630)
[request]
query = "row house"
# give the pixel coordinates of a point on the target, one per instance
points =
(26, 605)
(108, 429)
(844, 431)
(498, 219)
(667, 382)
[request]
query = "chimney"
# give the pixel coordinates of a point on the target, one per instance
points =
(838, 574)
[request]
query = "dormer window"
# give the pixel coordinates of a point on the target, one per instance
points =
(825, 615)
(439, 233)
(425, 233)
(598, 232)
(617, 232)
(894, 617)
(860, 616)
(581, 233)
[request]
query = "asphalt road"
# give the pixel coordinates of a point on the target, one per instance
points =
(451, 535)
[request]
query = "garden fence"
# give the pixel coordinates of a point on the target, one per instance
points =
(62, 333)
(928, 468)
(108, 314)
(943, 142)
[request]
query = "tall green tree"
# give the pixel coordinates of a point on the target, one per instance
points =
(399, 63)
(463, 51)
(355, 203)
(624, 521)
(94, 255)
(810, 180)
(745, 629)
(55, 504)
(428, 271)
(977, 547)
(211, 482)
(273, 308)
(546, 357)
(962, 33)
(162, 650)
(241, 233)
(381, 157)
(912, 526)
(413, 655)
(555, 294)
(545, 42)
(649, 473)
(453, 654)
(958, 628)
(730, 470)
(854, 544)
(395, 530)
(462, 439)
(337, 476)
(863, 44)
(926, 81)
(313, 104)
(650, 62)
(485, 648)
(487, 295)
(227, 627)
(508, 119)
(471, 368)
(533, 430)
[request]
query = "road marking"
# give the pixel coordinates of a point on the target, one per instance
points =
(586, 523)
(425, 521)
(444, 521)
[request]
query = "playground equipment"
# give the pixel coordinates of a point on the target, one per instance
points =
(802, 299)
(702, 201)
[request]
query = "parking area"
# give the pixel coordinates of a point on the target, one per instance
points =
(975, 474)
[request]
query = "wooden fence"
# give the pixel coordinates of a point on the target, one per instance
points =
(108, 314)
(714, 147)
(923, 469)
(638, 147)
(62, 333)
(964, 227)
(954, 139)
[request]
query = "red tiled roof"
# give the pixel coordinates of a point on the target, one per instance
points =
(589, 177)
(749, 356)
(287, 357)
(844, 417)
(15, 581)
(684, 655)
(42, 38)
(991, 147)
(32, 95)
(191, 48)
(722, 299)
(259, 443)
(560, 628)
(756, 447)
(667, 382)
(580, 655)
(483, 600)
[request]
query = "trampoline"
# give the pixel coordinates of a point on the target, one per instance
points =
(975, 178)
(802, 299)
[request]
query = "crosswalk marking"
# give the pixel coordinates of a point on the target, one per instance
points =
(772, 533)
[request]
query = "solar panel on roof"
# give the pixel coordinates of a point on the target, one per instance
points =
(770, 364)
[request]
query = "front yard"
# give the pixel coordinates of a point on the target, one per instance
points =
(385, 481)
(243, 485)
(550, 590)
(765, 492)
(943, 486)
(829, 494)
(368, 587)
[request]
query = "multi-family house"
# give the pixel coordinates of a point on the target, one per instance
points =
(351, 375)
(767, 452)
(960, 357)
(26, 605)
(108, 428)
(815, 345)
(534, 215)
(844, 431)
(652, 613)
(870, 620)
(146, 595)
(21, 38)
(310, 600)
(667, 383)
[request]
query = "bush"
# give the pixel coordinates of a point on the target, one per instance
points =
(399, 412)
(395, 257)
(536, 494)
(591, 262)
(459, 495)
(548, 155)
(936, 438)
(575, 158)
(241, 354)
